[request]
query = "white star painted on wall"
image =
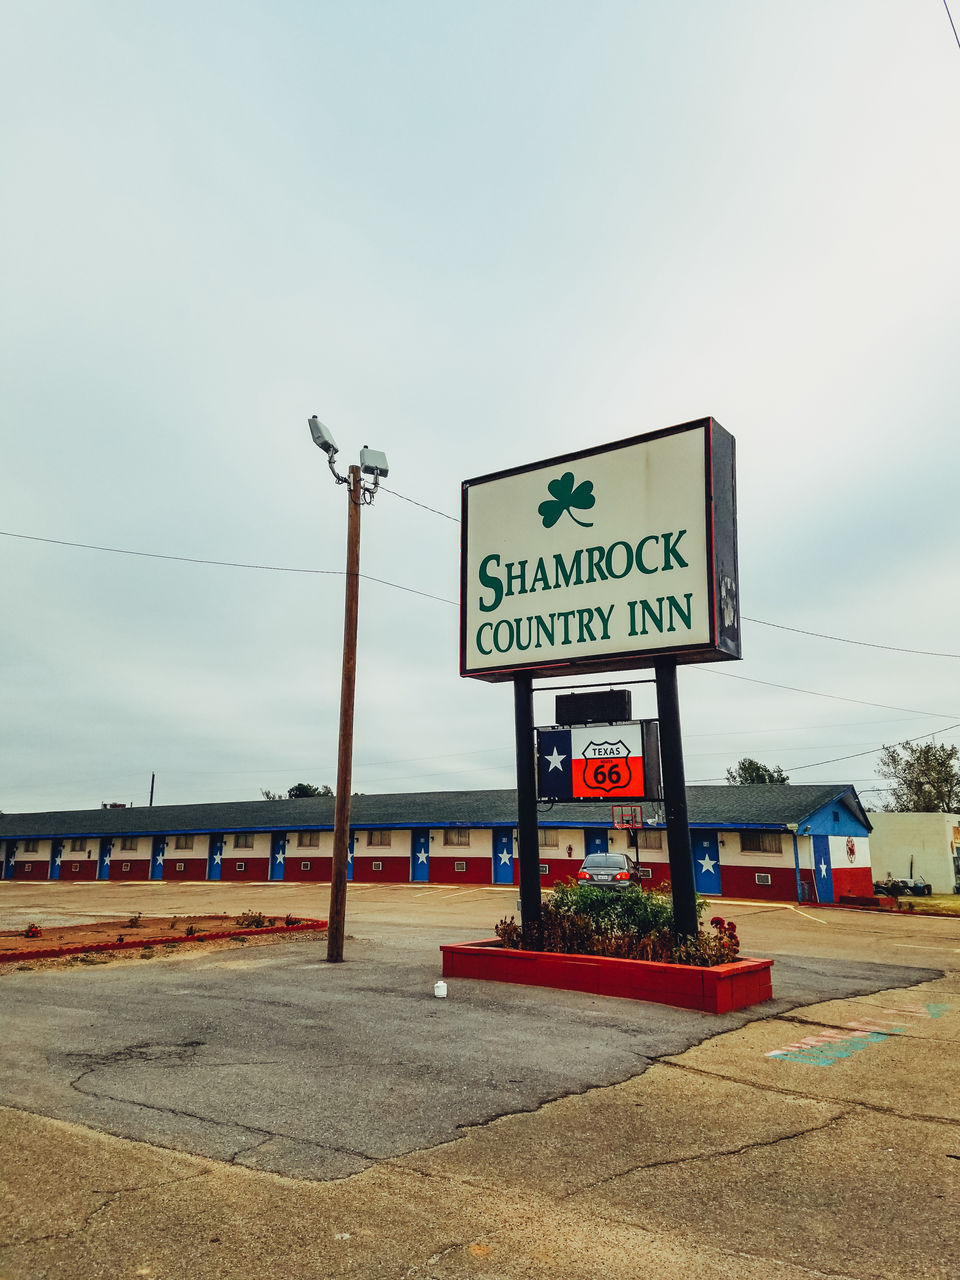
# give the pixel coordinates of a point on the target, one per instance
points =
(556, 760)
(216, 859)
(421, 855)
(279, 855)
(707, 863)
(106, 859)
(505, 858)
(823, 870)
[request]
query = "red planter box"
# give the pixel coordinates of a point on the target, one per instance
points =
(714, 990)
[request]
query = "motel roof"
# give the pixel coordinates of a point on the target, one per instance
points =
(768, 805)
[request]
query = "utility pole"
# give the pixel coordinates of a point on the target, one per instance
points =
(348, 685)
(360, 493)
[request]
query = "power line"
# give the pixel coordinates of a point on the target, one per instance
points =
(836, 697)
(422, 505)
(867, 644)
(955, 36)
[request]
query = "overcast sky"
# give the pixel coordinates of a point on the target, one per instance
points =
(471, 235)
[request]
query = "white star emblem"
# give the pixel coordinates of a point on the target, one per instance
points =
(106, 859)
(216, 859)
(823, 870)
(707, 862)
(556, 760)
(421, 855)
(56, 861)
(279, 855)
(160, 857)
(505, 858)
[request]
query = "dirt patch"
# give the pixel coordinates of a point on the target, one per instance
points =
(145, 938)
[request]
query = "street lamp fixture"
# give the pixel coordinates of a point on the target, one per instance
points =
(361, 493)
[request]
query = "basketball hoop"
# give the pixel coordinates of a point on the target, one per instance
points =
(626, 817)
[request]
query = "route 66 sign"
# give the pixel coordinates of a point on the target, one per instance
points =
(606, 767)
(599, 762)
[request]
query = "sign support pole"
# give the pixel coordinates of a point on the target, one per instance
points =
(685, 922)
(528, 850)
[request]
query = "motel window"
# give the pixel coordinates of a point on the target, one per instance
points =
(31, 846)
(760, 842)
(308, 840)
(649, 839)
(130, 842)
(549, 838)
(456, 836)
(77, 845)
(184, 842)
(243, 840)
(379, 839)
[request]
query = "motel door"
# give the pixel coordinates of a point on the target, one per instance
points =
(350, 856)
(9, 856)
(103, 861)
(595, 841)
(215, 857)
(822, 870)
(706, 862)
(278, 853)
(56, 856)
(156, 858)
(503, 855)
(420, 855)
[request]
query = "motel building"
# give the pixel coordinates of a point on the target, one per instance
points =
(782, 843)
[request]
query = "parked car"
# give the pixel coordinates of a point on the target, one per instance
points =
(608, 871)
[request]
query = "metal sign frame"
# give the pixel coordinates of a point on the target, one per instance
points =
(491, 649)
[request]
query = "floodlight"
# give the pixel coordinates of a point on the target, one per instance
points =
(322, 437)
(373, 463)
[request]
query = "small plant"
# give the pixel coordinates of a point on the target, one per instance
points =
(271, 923)
(134, 921)
(288, 920)
(251, 920)
(33, 930)
(173, 922)
(191, 930)
(120, 937)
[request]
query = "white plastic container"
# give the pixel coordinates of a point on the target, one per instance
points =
(440, 989)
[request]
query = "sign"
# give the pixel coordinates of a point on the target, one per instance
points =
(608, 559)
(607, 762)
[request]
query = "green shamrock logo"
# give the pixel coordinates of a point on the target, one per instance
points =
(565, 497)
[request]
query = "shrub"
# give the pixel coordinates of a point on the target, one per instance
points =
(251, 920)
(631, 924)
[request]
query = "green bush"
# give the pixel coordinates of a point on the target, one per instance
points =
(631, 924)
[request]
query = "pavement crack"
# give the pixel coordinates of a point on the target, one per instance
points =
(718, 1154)
(857, 1103)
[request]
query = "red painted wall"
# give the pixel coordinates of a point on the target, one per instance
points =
(395, 870)
(193, 868)
(256, 869)
(741, 882)
(86, 868)
(320, 868)
(40, 870)
(139, 868)
(857, 881)
(479, 870)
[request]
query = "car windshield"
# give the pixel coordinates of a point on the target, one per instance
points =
(604, 862)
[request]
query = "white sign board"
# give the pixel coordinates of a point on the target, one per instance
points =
(605, 559)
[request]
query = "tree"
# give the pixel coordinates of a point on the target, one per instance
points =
(924, 777)
(748, 771)
(299, 791)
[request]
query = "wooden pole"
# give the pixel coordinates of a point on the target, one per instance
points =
(348, 685)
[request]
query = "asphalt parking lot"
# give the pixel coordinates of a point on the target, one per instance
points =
(237, 1081)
